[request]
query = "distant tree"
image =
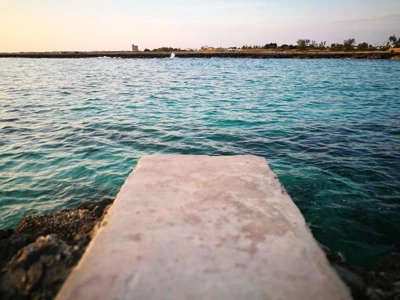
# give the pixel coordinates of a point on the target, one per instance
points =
(321, 45)
(363, 46)
(146, 50)
(336, 47)
(349, 44)
(271, 46)
(303, 44)
(313, 44)
(393, 41)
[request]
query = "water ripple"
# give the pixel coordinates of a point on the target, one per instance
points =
(71, 130)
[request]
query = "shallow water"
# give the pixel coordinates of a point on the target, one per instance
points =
(72, 130)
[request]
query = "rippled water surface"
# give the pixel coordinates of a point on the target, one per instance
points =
(72, 130)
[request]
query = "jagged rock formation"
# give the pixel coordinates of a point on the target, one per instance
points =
(379, 283)
(39, 254)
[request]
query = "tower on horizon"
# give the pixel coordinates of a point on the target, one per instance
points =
(135, 48)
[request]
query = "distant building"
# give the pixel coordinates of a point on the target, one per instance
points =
(135, 48)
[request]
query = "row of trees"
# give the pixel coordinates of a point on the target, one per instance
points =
(303, 45)
(347, 45)
(307, 44)
(163, 49)
(269, 46)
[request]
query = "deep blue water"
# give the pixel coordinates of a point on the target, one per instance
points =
(72, 130)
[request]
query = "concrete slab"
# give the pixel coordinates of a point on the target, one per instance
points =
(201, 227)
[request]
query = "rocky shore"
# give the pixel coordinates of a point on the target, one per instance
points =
(382, 282)
(228, 54)
(37, 257)
(39, 254)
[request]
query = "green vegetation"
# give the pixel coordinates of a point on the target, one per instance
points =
(348, 45)
(166, 49)
(312, 45)
(393, 42)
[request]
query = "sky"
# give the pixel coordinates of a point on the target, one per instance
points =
(95, 25)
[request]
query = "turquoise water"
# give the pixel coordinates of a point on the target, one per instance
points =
(72, 130)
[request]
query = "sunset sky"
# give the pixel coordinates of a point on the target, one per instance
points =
(53, 25)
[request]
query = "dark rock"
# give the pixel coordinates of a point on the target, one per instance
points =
(379, 283)
(68, 224)
(11, 245)
(103, 203)
(353, 280)
(6, 233)
(390, 264)
(39, 254)
(97, 211)
(42, 264)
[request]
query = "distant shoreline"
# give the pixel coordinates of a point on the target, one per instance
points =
(232, 54)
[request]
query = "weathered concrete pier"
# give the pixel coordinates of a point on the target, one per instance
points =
(201, 227)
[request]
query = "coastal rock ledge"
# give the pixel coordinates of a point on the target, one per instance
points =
(37, 257)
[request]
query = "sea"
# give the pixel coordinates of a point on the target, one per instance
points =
(71, 130)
